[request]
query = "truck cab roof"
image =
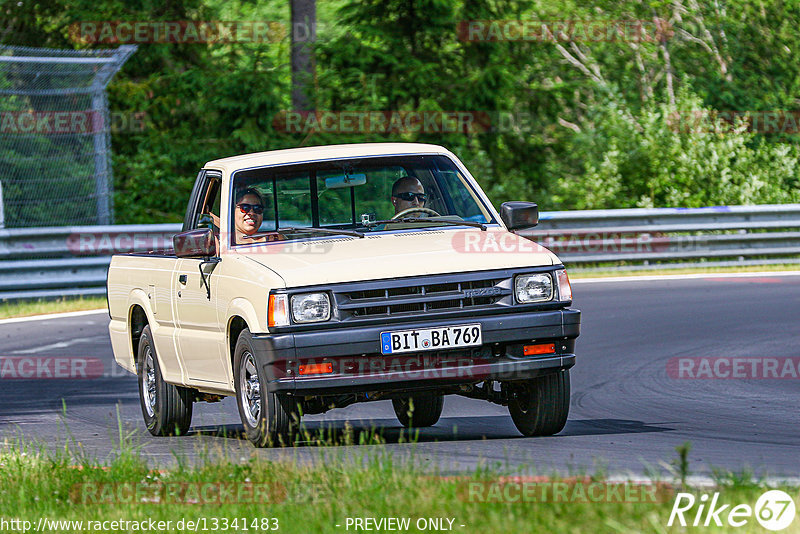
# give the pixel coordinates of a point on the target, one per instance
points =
(317, 153)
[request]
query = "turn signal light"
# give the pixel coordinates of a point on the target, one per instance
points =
(564, 288)
(547, 348)
(316, 369)
(277, 311)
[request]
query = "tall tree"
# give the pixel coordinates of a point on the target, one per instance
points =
(304, 33)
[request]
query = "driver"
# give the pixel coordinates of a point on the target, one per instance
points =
(407, 192)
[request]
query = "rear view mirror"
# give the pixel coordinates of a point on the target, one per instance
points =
(198, 243)
(345, 180)
(519, 215)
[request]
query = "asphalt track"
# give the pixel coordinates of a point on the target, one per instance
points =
(627, 414)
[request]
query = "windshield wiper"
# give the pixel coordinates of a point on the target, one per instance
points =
(431, 221)
(311, 230)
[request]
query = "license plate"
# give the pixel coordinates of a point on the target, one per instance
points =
(446, 337)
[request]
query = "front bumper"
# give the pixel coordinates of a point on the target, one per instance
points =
(358, 366)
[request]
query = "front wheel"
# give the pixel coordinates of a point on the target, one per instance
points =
(539, 407)
(167, 408)
(420, 410)
(268, 418)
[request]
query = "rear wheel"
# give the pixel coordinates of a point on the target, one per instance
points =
(268, 418)
(539, 407)
(167, 408)
(419, 410)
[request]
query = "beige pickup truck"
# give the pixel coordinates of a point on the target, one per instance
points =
(313, 278)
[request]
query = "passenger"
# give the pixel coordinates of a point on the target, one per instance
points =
(248, 215)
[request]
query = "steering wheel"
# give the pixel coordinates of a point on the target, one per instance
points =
(412, 210)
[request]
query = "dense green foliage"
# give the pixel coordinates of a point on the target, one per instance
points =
(575, 124)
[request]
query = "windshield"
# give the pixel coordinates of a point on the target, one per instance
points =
(367, 195)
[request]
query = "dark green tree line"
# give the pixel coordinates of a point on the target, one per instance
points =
(575, 124)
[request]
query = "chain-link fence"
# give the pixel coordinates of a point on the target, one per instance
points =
(55, 158)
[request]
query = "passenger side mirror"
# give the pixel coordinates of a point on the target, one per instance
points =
(519, 215)
(199, 243)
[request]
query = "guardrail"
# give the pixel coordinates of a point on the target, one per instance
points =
(643, 236)
(66, 261)
(70, 260)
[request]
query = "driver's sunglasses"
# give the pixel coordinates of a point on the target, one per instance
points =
(409, 196)
(258, 209)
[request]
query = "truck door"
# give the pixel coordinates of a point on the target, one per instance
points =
(201, 336)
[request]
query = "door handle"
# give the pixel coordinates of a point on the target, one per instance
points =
(182, 279)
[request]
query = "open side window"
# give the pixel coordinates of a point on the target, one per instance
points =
(204, 206)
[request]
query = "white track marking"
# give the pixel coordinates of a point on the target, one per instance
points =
(52, 316)
(59, 345)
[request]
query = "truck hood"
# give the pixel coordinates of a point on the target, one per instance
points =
(396, 255)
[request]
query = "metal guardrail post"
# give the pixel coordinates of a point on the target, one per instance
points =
(2, 212)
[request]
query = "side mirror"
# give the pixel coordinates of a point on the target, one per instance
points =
(519, 215)
(197, 243)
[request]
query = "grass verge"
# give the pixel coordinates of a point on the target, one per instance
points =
(605, 273)
(27, 308)
(260, 495)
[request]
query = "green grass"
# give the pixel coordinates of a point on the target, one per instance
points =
(309, 499)
(39, 307)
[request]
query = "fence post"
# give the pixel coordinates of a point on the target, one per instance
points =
(101, 156)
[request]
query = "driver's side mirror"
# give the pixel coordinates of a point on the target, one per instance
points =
(199, 243)
(518, 215)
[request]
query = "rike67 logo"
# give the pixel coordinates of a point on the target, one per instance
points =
(774, 510)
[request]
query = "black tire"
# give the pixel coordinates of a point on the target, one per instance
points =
(419, 410)
(540, 406)
(269, 419)
(167, 408)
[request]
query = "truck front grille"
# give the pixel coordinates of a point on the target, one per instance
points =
(413, 298)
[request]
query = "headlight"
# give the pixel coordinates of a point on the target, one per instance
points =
(311, 308)
(533, 288)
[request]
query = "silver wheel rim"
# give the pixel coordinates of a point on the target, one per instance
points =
(149, 383)
(250, 390)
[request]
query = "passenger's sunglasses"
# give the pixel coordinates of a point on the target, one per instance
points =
(408, 196)
(258, 209)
